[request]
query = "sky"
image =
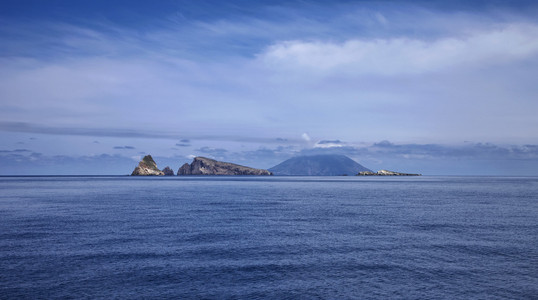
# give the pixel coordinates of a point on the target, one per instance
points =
(432, 87)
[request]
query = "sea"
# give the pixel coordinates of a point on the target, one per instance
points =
(241, 237)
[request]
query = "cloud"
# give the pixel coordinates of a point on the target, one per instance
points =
(329, 144)
(213, 152)
(27, 127)
(65, 62)
(102, 132)
(15, 151)
(471, 151)
(344, 150)
(192, 81)
(39, 164)
(384, 143)
(124, 147)
(405, 55)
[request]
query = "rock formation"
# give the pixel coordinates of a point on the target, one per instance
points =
(185, 169)
(206, 166)
(168, 171)
(147, 167)
(318, 165)
(385, 173)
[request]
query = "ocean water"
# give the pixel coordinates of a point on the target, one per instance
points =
(269, 237)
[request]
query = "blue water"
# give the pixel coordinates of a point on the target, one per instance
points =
(269, 237)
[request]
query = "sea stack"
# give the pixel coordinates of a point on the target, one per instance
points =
(147, 167)
(168, 171)
(206, 166)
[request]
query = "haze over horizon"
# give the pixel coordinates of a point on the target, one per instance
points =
(431, 87)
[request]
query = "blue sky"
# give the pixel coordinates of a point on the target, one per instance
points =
(436, 87)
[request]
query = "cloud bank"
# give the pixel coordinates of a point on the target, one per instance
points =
(403, 55)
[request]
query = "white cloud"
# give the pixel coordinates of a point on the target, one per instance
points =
(120, 83)
(329, 144)
(395, 56)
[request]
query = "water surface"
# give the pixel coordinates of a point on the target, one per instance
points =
(269, 237)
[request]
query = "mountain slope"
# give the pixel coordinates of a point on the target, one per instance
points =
(318, 165)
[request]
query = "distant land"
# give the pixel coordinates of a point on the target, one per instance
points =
(206, 166)
(199, 166)
(314, 165)
(385, 173)
(319, 165)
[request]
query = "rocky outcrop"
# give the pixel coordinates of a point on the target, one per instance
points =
(385, 173)
(168, 171)
(147, 167)
(184, 170)
(206, 166)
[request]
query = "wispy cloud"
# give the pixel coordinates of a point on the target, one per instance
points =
(471, 151)
(15, 151)
(403, 55)
(39, 164)
(184, 143)
(127, 133)
(213, 152)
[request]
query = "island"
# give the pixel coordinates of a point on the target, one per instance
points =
(385, 173)
(147, 167)
(318, 165)
(206, 166)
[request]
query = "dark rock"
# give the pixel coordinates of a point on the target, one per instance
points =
(168, 171)
(184, 170)
(206, 166)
